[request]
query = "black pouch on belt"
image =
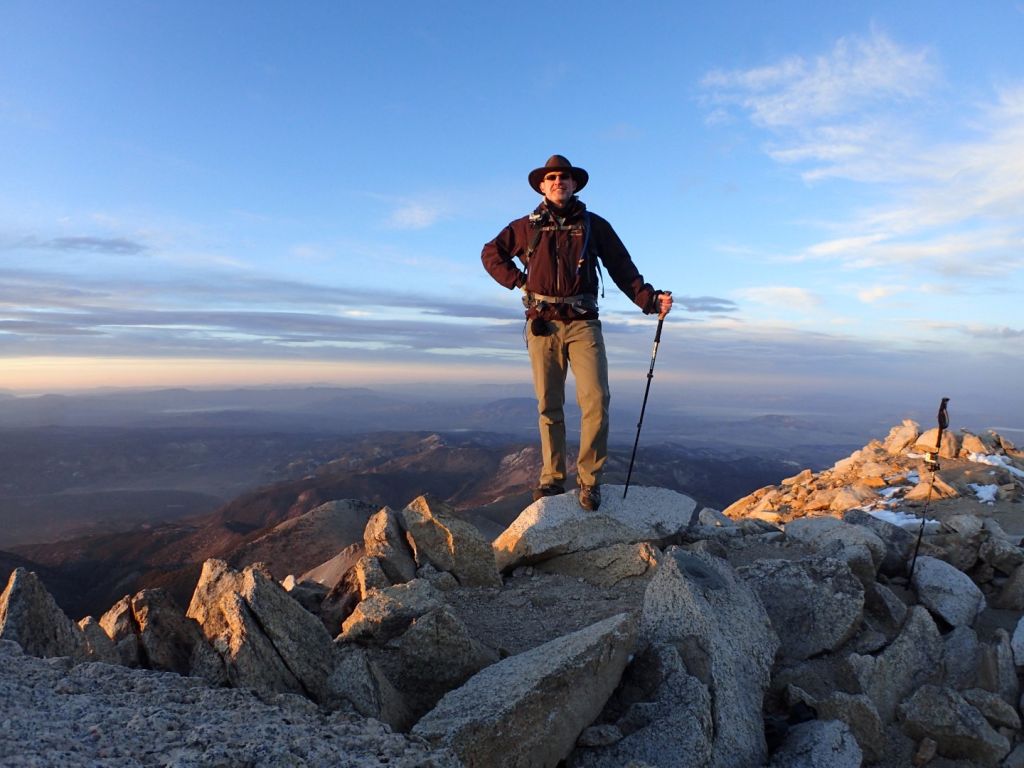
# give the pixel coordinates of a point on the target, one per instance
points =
(538, 325)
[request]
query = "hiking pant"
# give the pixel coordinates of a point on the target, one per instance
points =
(578, 345)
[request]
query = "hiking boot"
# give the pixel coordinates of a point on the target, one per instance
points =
(548, 489)
(590, 497)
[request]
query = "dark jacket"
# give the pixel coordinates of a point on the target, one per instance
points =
(558, 266)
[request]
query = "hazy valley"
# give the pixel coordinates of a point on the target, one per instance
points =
(110, 492)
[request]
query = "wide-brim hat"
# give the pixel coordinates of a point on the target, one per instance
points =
(558, 163)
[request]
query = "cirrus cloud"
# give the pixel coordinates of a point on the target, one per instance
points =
(788, 296)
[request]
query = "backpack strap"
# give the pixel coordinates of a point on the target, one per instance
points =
(585, 254)
(537, 220)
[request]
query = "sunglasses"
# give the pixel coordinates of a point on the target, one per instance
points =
(557, 176)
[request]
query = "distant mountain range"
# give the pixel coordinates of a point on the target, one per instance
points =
(112, 491)
(487, 477)
(348, 410)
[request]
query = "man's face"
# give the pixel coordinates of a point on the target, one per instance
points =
(558, 187)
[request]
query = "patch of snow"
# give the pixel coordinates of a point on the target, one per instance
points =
(996, 461)
(904, 520)
(985, 493)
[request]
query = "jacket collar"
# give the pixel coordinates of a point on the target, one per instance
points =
(574, 209)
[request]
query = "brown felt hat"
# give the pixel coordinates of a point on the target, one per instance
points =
(558, 163)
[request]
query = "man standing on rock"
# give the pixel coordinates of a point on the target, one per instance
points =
(559, 246)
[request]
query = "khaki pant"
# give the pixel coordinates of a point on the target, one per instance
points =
(578, 345)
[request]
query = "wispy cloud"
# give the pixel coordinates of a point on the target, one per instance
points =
(992, 332)
(834, 114)
(114, 246)
(415, 215)
(206, 314)
(878, 292)
(710, 304)
(787, 296)
(951, 175)
(856, 75)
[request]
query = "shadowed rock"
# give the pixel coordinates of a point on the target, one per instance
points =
(907, 663)
(999, 712)
(815, 604)
(435, 655)
(899, 543)
(250, 658)
(30, 617)
(99, 646)
(387, 613)
(857, 711)
(859, 547)
(819, 744)
(699, 604)
(168, 640)
(529, 709)
(961, 658)
(947, 592)
(385, 540)
(996, 670)
(959, 729)
(297, 636)
(120, 626)
(661, 713)
(607, 566)
(358, 684)
(309, 594)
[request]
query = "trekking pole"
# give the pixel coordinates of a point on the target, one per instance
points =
(650, 375)
(931, 461)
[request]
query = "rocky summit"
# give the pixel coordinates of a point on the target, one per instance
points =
(866, 615)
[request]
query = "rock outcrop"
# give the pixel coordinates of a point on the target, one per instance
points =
(947, 592)
(150, 630)
(30, 617)
(267, 640)
(699, 605)
(441, 539)
(815, 604)
(553, 526)
(819, 622)
(385, 539)
(387, 613)
(529, 709)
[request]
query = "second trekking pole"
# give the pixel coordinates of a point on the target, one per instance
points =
(931, 461)
(647, 391)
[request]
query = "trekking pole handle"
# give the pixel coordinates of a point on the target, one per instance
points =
(661, 315)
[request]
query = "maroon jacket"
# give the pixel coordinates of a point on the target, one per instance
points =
(558, 265)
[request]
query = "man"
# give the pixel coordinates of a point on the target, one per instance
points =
(559, 246)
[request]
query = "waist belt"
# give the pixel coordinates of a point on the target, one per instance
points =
(582, 303)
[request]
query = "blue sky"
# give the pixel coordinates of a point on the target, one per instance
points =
(253, 193)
